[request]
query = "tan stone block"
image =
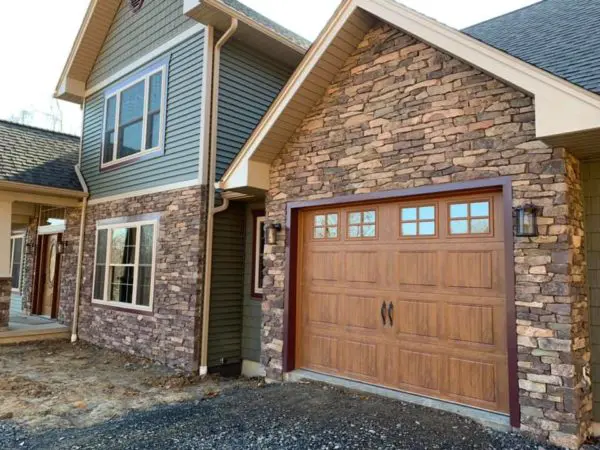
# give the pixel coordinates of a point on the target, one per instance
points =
(386, 58)
(538, 270)
(524, 330)
(527, 341)
(443, 114)
(545, 379)
(564, 440)
(563, 370)
(531, 386)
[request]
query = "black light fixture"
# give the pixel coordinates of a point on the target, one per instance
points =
(527, 221)
(272, 230)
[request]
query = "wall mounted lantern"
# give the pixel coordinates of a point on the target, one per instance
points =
(527, 221)
(272, 230)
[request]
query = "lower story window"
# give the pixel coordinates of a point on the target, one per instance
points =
(258, 265)
(124, 268)
(16, 260)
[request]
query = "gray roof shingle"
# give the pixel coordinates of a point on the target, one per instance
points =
(36, 156)
(265, 21)
(559, 36)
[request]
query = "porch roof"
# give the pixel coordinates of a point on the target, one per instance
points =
(38, 157)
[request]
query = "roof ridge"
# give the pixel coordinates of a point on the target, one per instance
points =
(505, 14)
(34, 128)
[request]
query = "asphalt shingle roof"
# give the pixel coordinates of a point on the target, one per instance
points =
(36, 156)
(559, 36)
(255, 16)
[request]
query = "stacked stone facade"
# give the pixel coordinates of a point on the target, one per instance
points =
(29, 269)
(401, 114)
(170, 333)
(5, 288)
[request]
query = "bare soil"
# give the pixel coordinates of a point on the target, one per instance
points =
(63, 385)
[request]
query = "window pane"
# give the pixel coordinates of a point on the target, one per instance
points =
(144, 285)
(319, 221)
(427, 213)
(146, 244)
(111, 113)
(319, 233)
(132, 104)
(121, 284)
(427, 228)
(332, 232)
(101, 249)
(109, 146)
(354, 231)
(130, 139)
(99, 282)
(480, 226)
(16, 275)
(123, 246)
(332, 219)
(459, 226)
(481, 209)
(409, 214)
(369, 230)
(369, 217)
(18, 250)
(153, 131)
(354, 218)
(409, 229)
(459, 211)
(155, 100)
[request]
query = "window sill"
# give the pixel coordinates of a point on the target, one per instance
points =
(125, 307)
(138, 157)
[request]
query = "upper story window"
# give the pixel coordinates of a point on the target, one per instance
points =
(134, 117)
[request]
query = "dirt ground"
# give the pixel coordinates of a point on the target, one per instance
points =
(61, 385)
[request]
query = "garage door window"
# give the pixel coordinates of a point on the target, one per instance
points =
(326, 226)
(362, 224)
(418, 221)
(470, 218)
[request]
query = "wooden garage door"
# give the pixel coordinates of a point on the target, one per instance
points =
(409, 295)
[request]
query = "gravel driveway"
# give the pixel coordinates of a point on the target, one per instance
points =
(290, 416)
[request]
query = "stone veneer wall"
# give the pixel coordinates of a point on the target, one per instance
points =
(170, 334)
(401, 114)
(68, 265)
(28, 275)
(5, 288)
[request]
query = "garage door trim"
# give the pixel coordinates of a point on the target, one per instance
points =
(504, 183)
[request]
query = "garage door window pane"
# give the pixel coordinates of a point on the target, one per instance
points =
(362, 224)
(470, 218)
(325, 226)
(418, 221)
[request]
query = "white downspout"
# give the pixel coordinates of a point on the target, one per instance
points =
(75, 323)
(211, 210)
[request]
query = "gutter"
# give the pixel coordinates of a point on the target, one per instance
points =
(211, 210)
(77, 299)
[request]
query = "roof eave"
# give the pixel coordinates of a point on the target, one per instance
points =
(252, 33)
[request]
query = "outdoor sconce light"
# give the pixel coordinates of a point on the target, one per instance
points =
(61, 247)
(527, 221)
(272, 231)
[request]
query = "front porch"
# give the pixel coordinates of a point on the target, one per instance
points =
(24, 328)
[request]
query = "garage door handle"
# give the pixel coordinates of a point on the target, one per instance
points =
(390, 314)
(383, 313)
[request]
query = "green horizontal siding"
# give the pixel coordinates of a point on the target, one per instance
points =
(182, 138)
(132, 35)
(249, 83)
(252, 306)
(226, 304)
(591, 180)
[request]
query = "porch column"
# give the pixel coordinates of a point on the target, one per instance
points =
(5, 275)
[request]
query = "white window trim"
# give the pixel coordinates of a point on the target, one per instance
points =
(125, 224)
(12, 259)
(116, 92)
(259, 223)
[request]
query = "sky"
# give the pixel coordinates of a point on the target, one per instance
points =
(37, 41)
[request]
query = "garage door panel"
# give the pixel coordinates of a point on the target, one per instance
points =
(359, 360)
(448, 337)
(361, 313)
(322, 308)
(324, 266)
(470, 379)
(420, 370)
(361, 267)
(416, 268)
(416, 318)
